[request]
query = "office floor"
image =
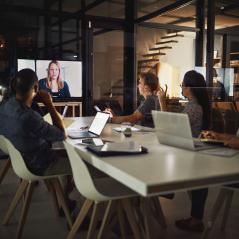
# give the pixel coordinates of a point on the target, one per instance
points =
(43, 223)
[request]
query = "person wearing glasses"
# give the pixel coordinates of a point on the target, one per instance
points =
(198, 110)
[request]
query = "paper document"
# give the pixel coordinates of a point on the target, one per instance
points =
(129, 146)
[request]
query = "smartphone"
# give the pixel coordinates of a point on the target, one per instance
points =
(97, 108)
(93, 141)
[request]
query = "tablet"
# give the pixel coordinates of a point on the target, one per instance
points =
(97, 151)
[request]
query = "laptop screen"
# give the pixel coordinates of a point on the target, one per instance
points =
(99, 122)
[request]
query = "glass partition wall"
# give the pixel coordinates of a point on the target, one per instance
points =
(108, 70)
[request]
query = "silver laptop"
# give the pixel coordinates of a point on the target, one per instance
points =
(95, 128)
(174, 129)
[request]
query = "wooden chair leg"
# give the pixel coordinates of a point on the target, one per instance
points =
(81, 216)
(216, 209)
(61, 199)
(110, 209)
(121, 220)
(5, 169)
(51, 189)
(131, 217)
(147, 216)
(20, 192)
(25, 208)
(159, 215)
(93, 221)
(228, 203)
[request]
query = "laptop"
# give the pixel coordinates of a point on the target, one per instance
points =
(174, 129)
(95, 128)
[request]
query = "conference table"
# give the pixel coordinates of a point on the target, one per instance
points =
(163, 169)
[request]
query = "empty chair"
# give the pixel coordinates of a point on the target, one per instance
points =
(96, 191)
(27, 184)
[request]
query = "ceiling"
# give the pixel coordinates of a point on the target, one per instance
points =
(25, 19)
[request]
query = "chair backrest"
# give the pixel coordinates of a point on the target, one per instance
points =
(3, 145)
(83, 180)
(224, 105)
(17, 161)
(237, 105)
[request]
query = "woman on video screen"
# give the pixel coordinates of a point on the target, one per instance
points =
(54, 83)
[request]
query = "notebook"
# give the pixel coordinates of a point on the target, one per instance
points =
(95, 128)
(174, 129)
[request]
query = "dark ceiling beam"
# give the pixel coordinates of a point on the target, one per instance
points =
(92, 5)
(82, 11)
(230, 7)
(228, 15)
(102, 31)
(183, 20)
(171, 7)
(228, 30)
(106, 22)
(17, 29)
(168, 27)
(35, 11)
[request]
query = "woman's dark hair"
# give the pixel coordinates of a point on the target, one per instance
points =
(23, 82)
(151, 80)
(198, 87)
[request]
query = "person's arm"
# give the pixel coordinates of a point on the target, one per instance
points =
(46, 99)
(233, 142)
(162, 95)
(133, 118)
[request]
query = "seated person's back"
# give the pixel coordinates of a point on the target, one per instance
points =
(25, 128)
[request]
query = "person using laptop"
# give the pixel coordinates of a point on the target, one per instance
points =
(198, 110)
(148, 86)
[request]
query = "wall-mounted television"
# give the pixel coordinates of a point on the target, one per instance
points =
(71, 72)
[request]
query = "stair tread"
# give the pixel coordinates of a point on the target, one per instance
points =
(172, 36)
(154, 54)
(160, 48)
(165, 42)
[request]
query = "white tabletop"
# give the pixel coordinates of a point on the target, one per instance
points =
(164, 168)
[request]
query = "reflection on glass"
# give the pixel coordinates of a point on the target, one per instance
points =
(223, 79)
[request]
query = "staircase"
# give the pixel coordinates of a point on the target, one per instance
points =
(151, 58)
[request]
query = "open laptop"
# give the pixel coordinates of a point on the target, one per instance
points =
(95, 128)
(174, 129)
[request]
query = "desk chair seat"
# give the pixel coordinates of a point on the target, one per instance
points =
(96, 192)
(26, 187)
(224, 197)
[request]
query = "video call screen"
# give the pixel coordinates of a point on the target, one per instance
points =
(71, 72)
